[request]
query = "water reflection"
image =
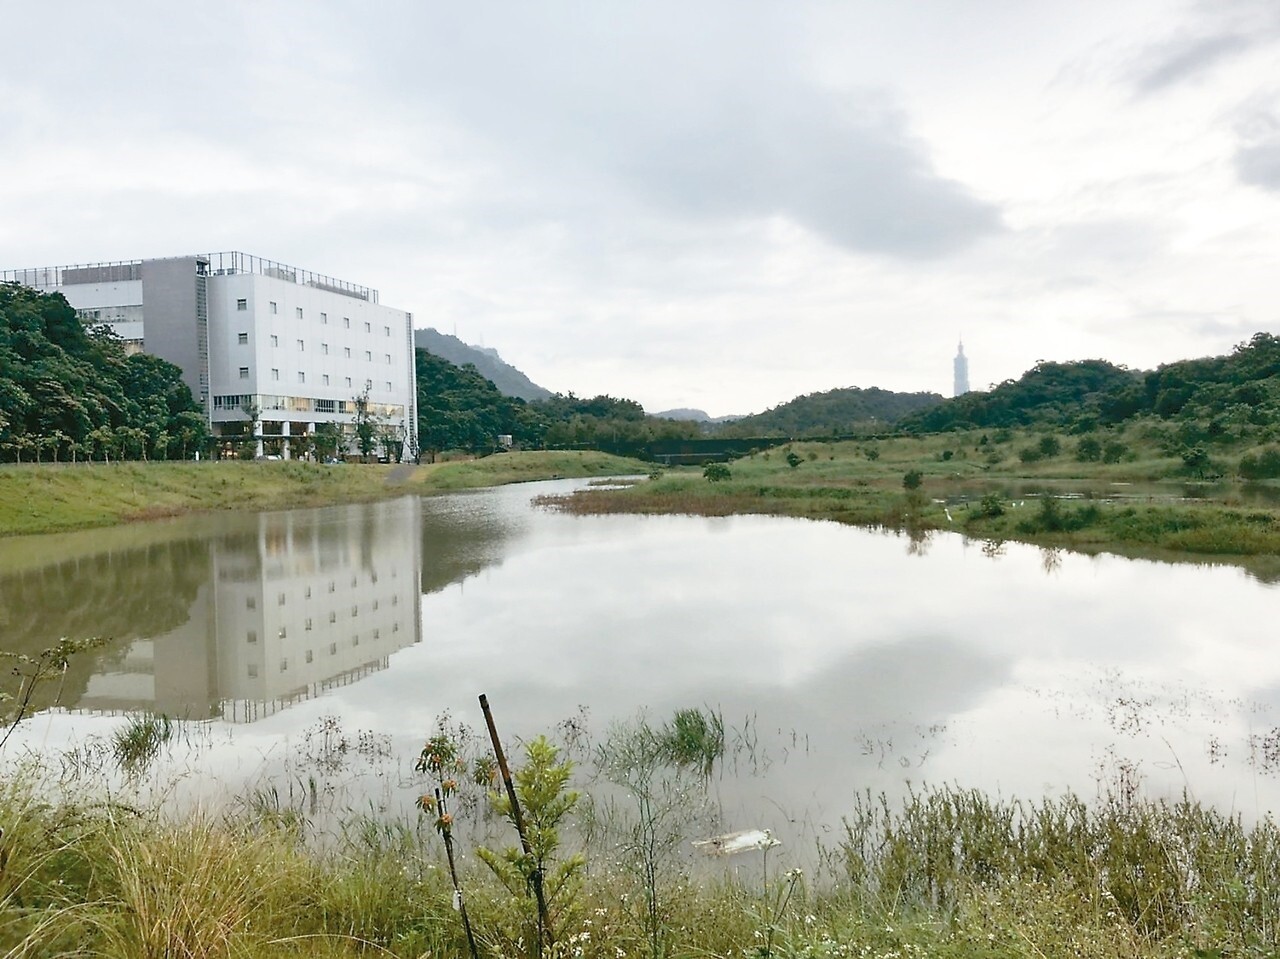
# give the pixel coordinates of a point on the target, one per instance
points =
(235, 623)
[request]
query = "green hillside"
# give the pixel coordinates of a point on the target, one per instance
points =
(837, 412)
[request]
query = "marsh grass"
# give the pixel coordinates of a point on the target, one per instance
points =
(138, 743)
(945, 872)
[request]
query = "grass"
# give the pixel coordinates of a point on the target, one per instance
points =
(950, 873)
(43, 499)
(984, 489)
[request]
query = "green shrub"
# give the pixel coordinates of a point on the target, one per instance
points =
(716, 472)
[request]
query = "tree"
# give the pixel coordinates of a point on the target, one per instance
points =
(367, 423)
(327, 439)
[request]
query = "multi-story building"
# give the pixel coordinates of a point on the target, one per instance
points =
(259, 343)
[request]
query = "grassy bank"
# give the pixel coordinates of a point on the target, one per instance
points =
(1146, 502)
(950, 873)
(43, 499)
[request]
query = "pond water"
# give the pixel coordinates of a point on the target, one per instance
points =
(326, 643)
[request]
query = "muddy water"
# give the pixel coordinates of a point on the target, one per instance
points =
(321, 645)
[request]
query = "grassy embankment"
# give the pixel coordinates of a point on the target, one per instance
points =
(43, 499)
(945, 874)
(984, 490)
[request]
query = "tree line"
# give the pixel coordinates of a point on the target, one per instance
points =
(69, 392)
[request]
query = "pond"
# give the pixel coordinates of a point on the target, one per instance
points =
(325, 643)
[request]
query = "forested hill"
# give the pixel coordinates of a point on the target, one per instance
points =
(833, 413)
(509, 380)
(1244, 385)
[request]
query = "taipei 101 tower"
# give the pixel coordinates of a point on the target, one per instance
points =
(961, 364)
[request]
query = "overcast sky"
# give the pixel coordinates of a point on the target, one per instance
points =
(710, 204)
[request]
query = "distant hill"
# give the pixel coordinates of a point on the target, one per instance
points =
(696, 416)
(509, 380)
(832, 413)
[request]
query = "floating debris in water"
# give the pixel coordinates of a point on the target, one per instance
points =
(735, 842)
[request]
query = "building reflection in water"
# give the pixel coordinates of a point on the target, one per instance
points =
(295, 603)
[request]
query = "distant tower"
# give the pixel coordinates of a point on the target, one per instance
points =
(961, 365)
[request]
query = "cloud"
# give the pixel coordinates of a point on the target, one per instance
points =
(703, 114)
(1259, 165)
(1182, 59)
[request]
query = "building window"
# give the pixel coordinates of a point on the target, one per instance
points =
(386, 357)
(243, 339)
(275, 340)
(302, 346)
(242, 305)
(251, 602)
(275, 374)
(386, 330)
(346, 351)
(284, 632)
(308, 624)
(333, 649)
(302, 377)
(346, 322)
(253, 670)
(298, 312)
(326, 379)
(251, 636)
(244, 372)
(324, 319)
(273, 307)
(388, 386)
(284, 665)
(324, 348)
(368, 356)
(348, 381)
(333, 617)
(309, 655)
(368, 328)
(280, 600)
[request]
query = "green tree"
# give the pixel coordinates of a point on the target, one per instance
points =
(367, 423)
(542, 788)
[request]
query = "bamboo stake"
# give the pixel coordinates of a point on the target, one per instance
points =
(447, 833)
(544, 923)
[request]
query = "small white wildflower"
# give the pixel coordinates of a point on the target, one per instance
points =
(810, 919)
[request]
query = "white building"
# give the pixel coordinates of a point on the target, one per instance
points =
(248, 333)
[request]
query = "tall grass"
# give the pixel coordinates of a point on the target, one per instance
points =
(943, 872)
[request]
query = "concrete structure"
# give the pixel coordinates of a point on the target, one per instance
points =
(252, 334)
(960, 365)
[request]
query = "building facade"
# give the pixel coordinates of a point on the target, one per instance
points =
(265, 348)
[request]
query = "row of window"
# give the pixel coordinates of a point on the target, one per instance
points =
(309, 655)
(251, 635)
(325, 380)
(242, 305)
(251, 602)
(304, 404)
(243, 340)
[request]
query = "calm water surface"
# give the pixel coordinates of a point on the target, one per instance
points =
(842, 660)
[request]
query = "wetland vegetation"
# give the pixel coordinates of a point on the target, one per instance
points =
(941, 872)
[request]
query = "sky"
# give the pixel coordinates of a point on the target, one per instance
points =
(719, 205)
